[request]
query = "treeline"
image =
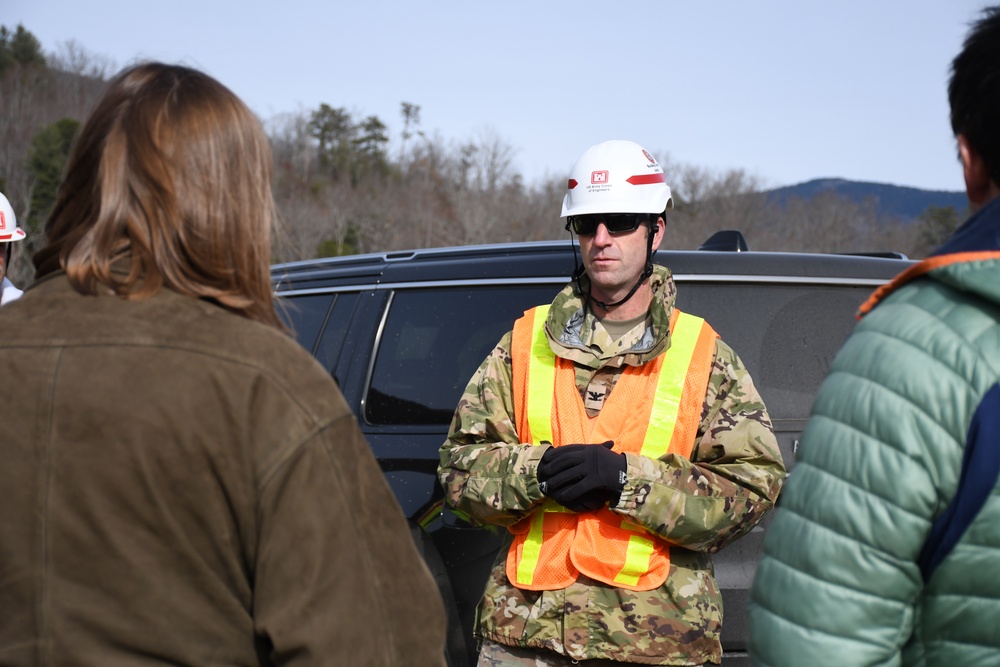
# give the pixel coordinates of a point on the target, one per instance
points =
(348, 184)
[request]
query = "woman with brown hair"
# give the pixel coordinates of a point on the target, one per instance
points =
(182, 483)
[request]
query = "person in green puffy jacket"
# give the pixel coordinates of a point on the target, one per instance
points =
(886, 547)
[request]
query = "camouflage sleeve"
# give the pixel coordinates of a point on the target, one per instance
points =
(732, 479)
(484, 468)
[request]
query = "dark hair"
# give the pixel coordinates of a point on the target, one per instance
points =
(974, 90)
(168, 185)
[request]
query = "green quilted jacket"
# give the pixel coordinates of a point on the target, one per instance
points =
(913, 392)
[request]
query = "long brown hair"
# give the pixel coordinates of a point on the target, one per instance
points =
(168, 185)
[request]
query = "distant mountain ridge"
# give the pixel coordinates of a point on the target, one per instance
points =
(894, 200)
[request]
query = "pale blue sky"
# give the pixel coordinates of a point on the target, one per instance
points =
(789, 90)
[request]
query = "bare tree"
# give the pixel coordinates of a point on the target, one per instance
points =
(411, 123)
(292, 146)
(491, 161)
(707, 202)
(72, 57)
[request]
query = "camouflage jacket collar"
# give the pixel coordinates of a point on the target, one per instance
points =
(576, 334)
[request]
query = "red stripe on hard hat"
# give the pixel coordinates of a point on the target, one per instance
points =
(646, 179)
(572, 183)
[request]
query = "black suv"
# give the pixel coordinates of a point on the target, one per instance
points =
(403, 332)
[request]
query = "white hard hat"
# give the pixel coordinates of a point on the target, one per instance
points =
(616, 177)
(9, 231)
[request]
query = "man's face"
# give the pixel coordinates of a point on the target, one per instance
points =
(615, 261)
(4, 256)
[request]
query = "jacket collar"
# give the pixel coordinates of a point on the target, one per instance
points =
(576, 334)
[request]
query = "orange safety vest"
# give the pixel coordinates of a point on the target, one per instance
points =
(654, 409)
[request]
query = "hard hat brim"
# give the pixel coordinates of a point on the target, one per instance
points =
(17, 235)
(657, 206)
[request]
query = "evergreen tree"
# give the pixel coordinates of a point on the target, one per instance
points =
(334, 130)
(47, 158)
(371, 157)
(19, 46)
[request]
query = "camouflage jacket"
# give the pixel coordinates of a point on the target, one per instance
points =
(698, 505)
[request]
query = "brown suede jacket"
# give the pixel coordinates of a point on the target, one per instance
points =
(183, 486)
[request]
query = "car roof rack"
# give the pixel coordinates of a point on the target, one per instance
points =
(727, 240)
(889, 254)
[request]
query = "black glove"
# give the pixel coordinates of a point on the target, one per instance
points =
(582, 477)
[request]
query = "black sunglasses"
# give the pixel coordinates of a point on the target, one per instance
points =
(616, 223)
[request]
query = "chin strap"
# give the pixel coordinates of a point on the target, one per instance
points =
(579, 270)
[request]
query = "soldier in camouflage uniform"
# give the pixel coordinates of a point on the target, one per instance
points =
(614, 316)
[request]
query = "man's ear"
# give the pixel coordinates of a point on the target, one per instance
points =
(661, 226)
(978, 185)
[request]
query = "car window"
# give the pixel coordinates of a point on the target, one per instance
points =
(786, 335)
(433, 341)
(304, 315)
(332, 341)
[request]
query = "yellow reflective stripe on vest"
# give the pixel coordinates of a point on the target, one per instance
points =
(666, 405)
(541, 379)
(532, 548)
(637, 555)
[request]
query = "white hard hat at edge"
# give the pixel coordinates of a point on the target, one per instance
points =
(9, 231)
(616, 177)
